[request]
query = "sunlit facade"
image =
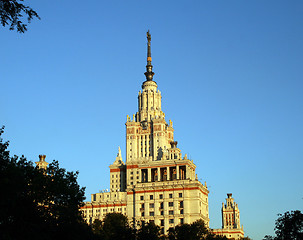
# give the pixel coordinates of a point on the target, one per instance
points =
(155, 183)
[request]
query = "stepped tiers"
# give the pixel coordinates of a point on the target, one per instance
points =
(155, 183)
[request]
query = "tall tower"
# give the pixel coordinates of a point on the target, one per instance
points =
(161, 184)
(230, 214)
(148, 136)
(230, 220)
(156, 183)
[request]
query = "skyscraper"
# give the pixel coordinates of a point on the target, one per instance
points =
(155, 183)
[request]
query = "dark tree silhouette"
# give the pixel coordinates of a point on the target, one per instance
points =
(289, 226)
(114, 226)
(37, 204)
(13, 12)
(195, 231)
(148, 231)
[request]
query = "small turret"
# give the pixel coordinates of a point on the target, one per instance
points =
(42, 164)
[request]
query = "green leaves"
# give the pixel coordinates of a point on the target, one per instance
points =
(289, 226)
(11, 13)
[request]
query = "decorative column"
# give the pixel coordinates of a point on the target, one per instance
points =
(149, 174)
(168, 173)
(140, 175)
(177, 168)
(186, 172)
(147, 146)
(143, 146)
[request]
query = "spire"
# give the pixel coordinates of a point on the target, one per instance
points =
(149, 67)
(119, 152)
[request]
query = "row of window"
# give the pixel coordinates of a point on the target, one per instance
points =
(171, 221)
(170, 204)
(170, 212)
(151, 197)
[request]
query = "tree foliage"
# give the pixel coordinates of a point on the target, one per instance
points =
(288, 226)
(13, 12)
(114, 226)
(36, 204)
(148, 231)
(194, 231)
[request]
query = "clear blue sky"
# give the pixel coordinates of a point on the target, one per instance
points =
(230, 73)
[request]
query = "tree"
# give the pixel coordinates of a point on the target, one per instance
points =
(148, 231)
(289, 226)
(195, 231)
(36, 204)
(11, 13)
(114, 226)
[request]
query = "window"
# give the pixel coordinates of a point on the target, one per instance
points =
(151, 205)
(181, 204)
(152, 214)
(142, 205)
(170, 204)
(181, 220)
(131, 172)
(142, 214)
(131, 183)
(161, 196)
(170, 195)
(181, 211)
(161, 205)
(162, 213)
(141, 197)
(171, 220)
(171, 212)
(151, 197)
(180, 194)
(162, 222)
